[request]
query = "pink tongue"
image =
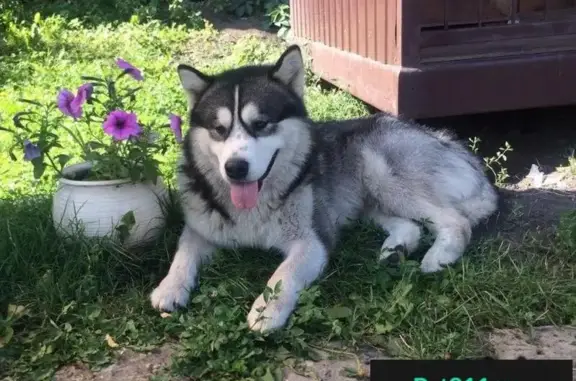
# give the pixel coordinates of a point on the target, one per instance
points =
(244, 196)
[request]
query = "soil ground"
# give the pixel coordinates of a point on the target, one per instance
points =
(545, 138)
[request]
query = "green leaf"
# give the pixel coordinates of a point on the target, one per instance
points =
(6, 336)
(135, 154)
(268, 376)
(135, 174)
(93, 311)
(132, 92)
(443, 300)
(95, 79)
(266, 294)
(39, 167)
(95, 145)
(150, 171)
(339, 312)
(51, 135)
(383, 328)
(126, 223)
(6, 129)
(93, 156)
(20, 116)
(278, 287)
(16, 311)
(63, 159)
(128, 219)
(35, 103)
(297, 331)
(123, 232)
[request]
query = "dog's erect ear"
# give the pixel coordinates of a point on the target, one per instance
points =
(193, 82)
(290, 70)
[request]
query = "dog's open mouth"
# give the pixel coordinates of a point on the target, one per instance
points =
(244, 195)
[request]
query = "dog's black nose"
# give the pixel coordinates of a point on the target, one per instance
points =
(237, 169)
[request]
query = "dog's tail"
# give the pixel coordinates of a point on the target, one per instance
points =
(490, 226)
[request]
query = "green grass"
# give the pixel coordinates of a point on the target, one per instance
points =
(60, 299)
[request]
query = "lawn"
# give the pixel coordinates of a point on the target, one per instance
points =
(60, 300)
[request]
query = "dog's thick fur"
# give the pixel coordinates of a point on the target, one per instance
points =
(312, 179)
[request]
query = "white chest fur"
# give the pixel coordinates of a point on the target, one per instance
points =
(264, 227)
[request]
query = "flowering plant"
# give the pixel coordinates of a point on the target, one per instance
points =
(122, 146)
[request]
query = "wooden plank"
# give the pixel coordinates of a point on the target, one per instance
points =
(494, 33)
(499, 49)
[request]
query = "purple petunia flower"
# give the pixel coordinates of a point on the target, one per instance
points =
(129, 69)
(68, 105)
(121, 125)
(31, 150)
(84, 93)
(176, 126)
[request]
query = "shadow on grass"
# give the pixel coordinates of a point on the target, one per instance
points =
(527, 212)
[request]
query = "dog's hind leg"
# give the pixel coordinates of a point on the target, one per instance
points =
(452, 231)
(174, 289)
(417, 201)
(402, 233)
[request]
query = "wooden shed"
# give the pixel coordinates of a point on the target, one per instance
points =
(431, 58)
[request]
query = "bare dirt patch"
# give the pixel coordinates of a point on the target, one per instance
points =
(133, 366)
(239, 27)
(129, 366)
(336, 367)
(548, 342)
(543, 343)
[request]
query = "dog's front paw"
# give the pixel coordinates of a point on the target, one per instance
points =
(437, 260)
(435, 263)
(169, 295)
(431, 266)
(267, 317)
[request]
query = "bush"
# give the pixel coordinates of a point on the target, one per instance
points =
(19, 20)
(27, 25)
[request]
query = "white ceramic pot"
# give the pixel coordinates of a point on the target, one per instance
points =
(95, 208)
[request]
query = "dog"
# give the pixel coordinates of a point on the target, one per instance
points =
(256, 171)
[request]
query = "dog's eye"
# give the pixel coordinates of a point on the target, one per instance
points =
(259, 125)
(220, 130)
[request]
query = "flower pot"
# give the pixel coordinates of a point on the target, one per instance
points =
(96, 208)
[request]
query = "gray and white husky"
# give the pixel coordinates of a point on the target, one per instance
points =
(257, 172)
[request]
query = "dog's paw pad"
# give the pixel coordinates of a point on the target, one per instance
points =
(393, 256)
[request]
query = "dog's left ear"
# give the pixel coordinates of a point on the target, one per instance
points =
(290, 70)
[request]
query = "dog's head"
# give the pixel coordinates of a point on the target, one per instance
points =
(244, 119)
